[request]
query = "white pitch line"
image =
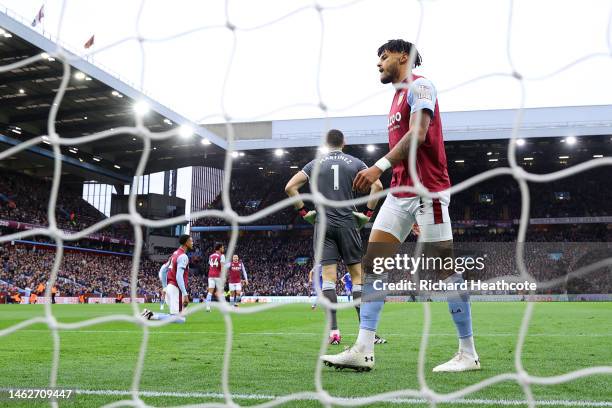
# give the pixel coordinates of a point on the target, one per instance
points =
(500, 402)
(222, 333)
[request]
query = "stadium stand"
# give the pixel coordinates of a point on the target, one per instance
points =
(486, 212)
(279, 265)
(492, 200)
(250, 192)
(24, 199)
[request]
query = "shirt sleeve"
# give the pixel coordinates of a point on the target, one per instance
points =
(361, 165)
(181, 264)
(307, 170)
(422, 95)
(163, 274)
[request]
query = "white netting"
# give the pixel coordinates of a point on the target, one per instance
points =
(520, 375)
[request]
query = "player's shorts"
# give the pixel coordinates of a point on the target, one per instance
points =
(174, 299)
(235, 287)
(214, 283)
(397, 215)
(341, 243)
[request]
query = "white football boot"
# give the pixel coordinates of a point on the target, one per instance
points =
(460, 362)
(350, 358)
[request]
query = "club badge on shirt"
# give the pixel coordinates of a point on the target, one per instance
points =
(401, 97)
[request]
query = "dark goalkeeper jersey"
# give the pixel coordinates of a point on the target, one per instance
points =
(336, 174)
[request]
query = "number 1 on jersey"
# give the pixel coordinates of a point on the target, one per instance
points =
(336, 170)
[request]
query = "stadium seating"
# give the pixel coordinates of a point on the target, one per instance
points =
(577, 196)
(272, 262)
(24, 199)
(274, 267)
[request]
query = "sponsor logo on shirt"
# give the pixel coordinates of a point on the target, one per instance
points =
(394, 119)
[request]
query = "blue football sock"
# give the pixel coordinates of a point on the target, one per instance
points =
(372, 302)
(369, 314)
(459, 308)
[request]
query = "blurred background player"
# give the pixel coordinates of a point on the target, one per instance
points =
(348, 285)
(348, 291)
(176, 278)
(414, 114)
(216, 261)
(315, 277)
(342, 240)
(28, 293)
(237, 271)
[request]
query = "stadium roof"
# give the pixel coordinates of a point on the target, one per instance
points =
(94, 101)
(458, 126)
(97, 100)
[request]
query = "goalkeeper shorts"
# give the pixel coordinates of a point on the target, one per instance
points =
(340, 243)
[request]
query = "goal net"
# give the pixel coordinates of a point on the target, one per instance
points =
(511, 72)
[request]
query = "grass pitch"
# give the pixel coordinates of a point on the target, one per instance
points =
(274, 353)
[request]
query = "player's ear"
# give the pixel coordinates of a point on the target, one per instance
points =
(403, 59)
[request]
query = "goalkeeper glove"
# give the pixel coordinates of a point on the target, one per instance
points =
(363, 217)
(308, 215)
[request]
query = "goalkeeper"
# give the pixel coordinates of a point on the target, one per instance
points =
(342, 240)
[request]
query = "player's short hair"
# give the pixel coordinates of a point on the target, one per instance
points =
(334, 138)
(401, 46)
(218, 246)
(184, 238)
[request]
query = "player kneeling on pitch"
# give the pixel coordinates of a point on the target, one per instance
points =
(414, 115)
(176, 289)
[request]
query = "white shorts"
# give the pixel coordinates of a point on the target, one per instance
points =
(397, 215)
(174, 299)
(214, 283)
(235, 287)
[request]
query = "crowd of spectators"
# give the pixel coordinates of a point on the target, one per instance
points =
(250, 193)
(581, 195)
(279, 266)
(25, 199)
